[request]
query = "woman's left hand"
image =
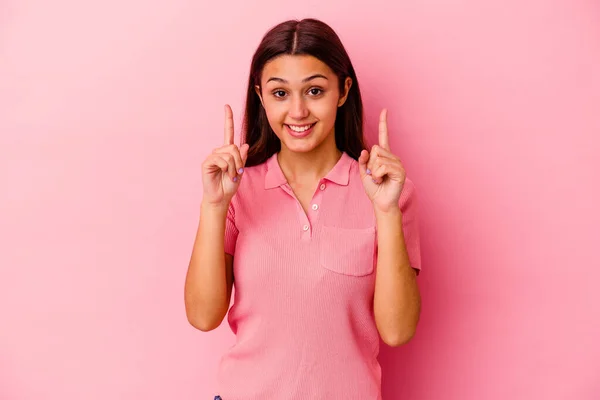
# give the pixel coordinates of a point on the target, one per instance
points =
(381, 171)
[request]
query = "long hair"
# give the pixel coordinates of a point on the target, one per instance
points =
(305, 37)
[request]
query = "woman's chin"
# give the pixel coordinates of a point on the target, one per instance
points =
(299, 146)
(306, 144)
(300, 149)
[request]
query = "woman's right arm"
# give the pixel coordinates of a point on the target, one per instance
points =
(209, 279)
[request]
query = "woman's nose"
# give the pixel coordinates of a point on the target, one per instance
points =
(298, 109)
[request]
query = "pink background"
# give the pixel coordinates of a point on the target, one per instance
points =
(107, 110)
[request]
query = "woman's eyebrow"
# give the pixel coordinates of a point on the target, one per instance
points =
(310, 78)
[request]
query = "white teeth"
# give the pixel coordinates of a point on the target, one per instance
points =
(300, 128)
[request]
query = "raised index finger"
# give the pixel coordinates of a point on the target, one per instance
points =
(383, 130)
(228, 125)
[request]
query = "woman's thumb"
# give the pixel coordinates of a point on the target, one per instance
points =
(244, 152)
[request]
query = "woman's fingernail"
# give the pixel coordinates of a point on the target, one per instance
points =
(241, 170)
(368, 171)
(374, 181)
(235, 178)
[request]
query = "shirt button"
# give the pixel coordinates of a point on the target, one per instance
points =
(305, 227)
(322, 187)
(315, 207)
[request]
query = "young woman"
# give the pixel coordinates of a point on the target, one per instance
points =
(318, 235)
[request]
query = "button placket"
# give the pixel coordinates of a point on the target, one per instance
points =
(316, 203)
(307, 219)
(306, 230)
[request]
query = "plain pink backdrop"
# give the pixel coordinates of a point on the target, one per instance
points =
(107, 110)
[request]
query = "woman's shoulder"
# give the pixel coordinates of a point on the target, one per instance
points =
(253, 178)
(256, 170)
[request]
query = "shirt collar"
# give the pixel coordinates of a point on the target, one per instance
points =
(339, 174)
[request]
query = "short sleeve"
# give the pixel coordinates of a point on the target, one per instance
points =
(410, 223)
(231, 231)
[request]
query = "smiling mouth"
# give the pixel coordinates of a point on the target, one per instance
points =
(300, 128)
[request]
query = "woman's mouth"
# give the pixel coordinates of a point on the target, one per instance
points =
(300, 131)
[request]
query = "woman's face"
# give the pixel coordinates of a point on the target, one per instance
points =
(301, 96)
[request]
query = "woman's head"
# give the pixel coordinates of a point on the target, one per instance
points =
(301, 78)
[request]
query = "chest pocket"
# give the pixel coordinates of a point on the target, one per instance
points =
(348, 251)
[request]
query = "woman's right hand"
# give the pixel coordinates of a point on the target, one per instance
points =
(223, 169)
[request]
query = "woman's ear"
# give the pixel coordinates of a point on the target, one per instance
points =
(257, 90)
(344, 97)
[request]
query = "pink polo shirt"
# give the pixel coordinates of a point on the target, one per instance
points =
(304, 284)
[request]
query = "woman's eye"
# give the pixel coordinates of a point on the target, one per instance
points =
(279, 93)
(315, 91)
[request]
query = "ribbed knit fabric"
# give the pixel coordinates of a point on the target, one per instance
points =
(303, 287)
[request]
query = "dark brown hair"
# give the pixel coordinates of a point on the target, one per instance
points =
(305, 37)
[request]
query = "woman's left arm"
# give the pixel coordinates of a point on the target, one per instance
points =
(397, 302)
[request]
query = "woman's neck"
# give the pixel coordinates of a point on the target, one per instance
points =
(309, 167)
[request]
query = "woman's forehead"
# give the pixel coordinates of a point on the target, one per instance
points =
(295, 69)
